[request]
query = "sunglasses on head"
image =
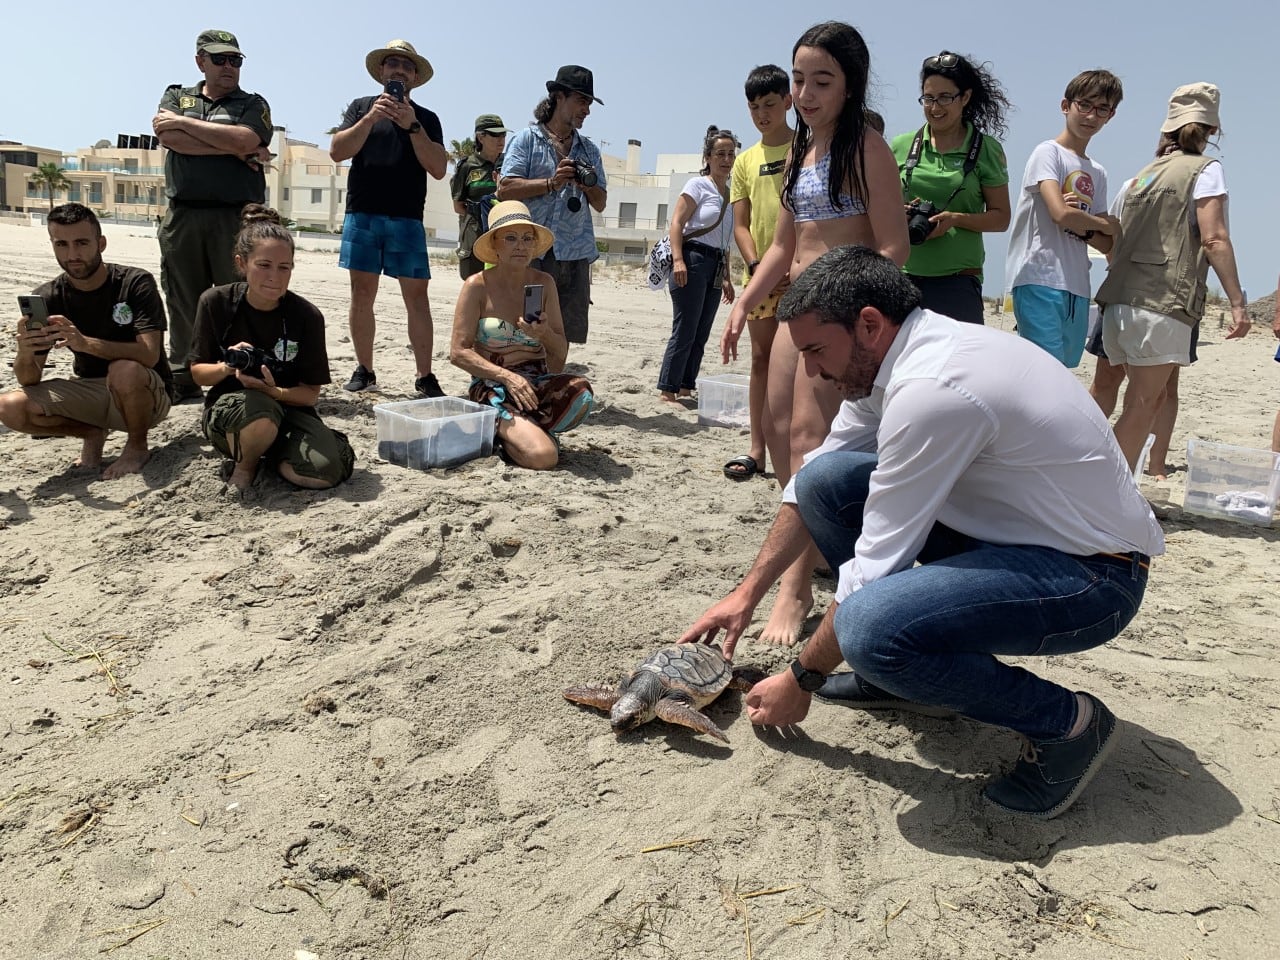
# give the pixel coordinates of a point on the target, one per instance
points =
(943, 60)
(222, 59)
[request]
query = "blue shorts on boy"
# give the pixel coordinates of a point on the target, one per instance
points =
(374, 243)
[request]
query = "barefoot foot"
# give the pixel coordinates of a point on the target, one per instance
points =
(131, 460)
(91, 449)
(786, 620)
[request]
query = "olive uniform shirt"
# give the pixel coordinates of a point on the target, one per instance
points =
(222, 180)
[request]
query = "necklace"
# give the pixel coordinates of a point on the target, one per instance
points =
(558, 140)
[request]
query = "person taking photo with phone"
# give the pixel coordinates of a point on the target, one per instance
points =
(390, 141)
(112, 320)
(509, 335)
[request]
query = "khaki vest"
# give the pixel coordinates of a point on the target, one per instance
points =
(1158, 262)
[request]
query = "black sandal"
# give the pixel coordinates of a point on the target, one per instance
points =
(741, 468)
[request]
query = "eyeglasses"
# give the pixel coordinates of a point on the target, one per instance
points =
(1088, 106)
(222, 59)
(942, 60)
(942, 99)
(400, 62)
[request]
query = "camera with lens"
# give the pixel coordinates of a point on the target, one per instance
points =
(252, 360)
(918, 225)
(585, 174)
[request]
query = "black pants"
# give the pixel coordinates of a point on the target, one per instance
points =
(958, 296)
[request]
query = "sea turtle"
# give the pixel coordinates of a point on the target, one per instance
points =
(673, 684)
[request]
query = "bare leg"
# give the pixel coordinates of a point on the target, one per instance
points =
(130, 386)
(1142, 399)
(1105, 389)
(255, 439)
(1275, 435)
(527, 444)
(298, 480)
(1158, 460)
(417, 304)
(360, 319)
(21, 414)
(762, 334)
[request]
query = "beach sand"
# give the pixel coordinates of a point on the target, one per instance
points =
(332, 722)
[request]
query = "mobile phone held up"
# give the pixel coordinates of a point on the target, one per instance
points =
(532, 303)
(35, 312)
(395, 88)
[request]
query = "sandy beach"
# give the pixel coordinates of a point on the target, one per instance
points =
(330, 724)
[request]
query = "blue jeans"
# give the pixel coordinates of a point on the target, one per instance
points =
(931, 634)
(694, 312)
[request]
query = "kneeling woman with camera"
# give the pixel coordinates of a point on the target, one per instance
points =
(260, 349)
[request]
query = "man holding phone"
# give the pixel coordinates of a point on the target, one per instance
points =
(217, 138)
(391, 142)
(112, 320)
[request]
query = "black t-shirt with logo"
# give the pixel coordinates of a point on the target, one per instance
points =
(293, 333)
(386, 177)
(125, 305)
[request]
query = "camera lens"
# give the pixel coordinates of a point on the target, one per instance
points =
(574, 204)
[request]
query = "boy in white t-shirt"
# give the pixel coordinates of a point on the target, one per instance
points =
(1048, 265)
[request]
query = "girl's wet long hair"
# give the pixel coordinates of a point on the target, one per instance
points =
(848, 164)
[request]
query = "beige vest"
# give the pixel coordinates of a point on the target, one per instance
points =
(1158, 262)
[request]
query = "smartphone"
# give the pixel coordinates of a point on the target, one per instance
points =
(395, 88)
(532, 302)
(36, 312)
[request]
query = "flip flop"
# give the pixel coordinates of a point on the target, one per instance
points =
(741, 468)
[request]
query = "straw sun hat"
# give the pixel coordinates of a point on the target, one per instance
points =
(398, 48)
(506, 214)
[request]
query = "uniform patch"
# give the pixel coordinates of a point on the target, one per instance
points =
(266, 115)
(186, 103)
(122, 314)
(286, 350)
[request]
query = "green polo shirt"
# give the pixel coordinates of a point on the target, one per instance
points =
(936, 176)
(217, 181)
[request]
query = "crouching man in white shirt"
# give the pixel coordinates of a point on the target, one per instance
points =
(980, 457)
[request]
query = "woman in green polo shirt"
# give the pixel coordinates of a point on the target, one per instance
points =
(955, 164)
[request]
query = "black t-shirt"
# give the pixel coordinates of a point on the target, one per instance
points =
(386, 177)
(126, 305)
(293, 333)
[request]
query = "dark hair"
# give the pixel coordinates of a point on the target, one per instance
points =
(546, 107)
(874, 120)
(987, 101)
(714, 134)
(848, 164)
(770, 78)
(68, 214)
(259, 223)
(1189, 138)
(1102, 84)
(837, 285)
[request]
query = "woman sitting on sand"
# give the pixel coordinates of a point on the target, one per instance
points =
(516, 356)
(260, 349)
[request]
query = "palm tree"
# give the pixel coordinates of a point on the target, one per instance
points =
(53, 178)
(459, 150)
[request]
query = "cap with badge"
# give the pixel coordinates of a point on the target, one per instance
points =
(218, 41)
(490, 123)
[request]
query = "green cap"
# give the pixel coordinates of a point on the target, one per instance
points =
(490, 123)
(218, 41)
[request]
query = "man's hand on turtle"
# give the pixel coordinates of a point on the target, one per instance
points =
(732, 615)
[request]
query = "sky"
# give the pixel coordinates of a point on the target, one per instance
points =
(665, 71)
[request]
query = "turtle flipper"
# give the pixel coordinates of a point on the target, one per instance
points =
(602, 698)
(673, 710)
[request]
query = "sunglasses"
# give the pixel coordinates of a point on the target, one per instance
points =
(400, 62)
(222, 59)
(944, 60)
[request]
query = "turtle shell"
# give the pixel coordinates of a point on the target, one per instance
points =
(696, 669)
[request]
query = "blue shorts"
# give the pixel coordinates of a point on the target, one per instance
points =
(396, 246)
(1053, 319)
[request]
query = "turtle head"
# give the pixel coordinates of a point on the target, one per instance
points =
(636, 702)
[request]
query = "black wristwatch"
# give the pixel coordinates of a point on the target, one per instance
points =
(415, 127)
(809, 680)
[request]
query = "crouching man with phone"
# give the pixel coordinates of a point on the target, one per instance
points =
(390, 141)
(112, 320)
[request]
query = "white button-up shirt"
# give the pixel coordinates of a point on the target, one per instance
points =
(987, 433)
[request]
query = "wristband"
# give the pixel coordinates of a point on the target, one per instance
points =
(751, 268)
(550, 184)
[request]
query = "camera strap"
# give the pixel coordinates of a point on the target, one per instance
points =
(913, 161)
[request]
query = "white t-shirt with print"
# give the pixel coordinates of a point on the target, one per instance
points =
(706, 208)
(1041, 253)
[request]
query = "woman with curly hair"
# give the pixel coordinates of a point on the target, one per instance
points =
(955, 182)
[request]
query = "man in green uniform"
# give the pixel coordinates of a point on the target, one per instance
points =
(217, 138)
(474, 181)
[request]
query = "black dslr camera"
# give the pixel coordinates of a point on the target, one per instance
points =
(252, 360)
(585, 174)
(918, 225)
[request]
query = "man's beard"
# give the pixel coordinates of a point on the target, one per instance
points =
(86, 269)
(858, 377)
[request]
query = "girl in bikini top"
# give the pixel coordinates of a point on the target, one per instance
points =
(810, 199)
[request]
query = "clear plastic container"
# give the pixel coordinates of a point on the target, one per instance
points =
(723, 400)
(1232, 483)
(436, 432)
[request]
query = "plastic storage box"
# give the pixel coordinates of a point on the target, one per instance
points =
(722, 400)
(1232, 483)
(437, 432)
